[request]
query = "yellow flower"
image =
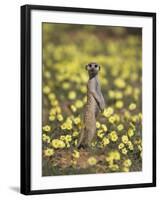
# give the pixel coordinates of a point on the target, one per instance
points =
(68, 138)
(69, 119)
(68, 126)
(104, 127)
(132, 106)
(63, 126)
(125, 169)
(47, 74)
(117, 117)
(113, 136)
(111, 94)
(62, 137)
(131, 147)
(104, 81)
(51, 96)
(130, 132)
(83, 89)
(120, 146)
(133, 126)
(128, 90)
(54, 102)
(73, 108)
(108, 112)
(77, 120)
(52, 112)
(75, 142)
(105, 141)
(135, 118)
(85, 99)
(56, 143)
(46, 128)
(46, 138)
(124, 139)
(72, 95)
(124, 151)
(98, 125)
(138, 141)
(100, 134)
(79, 104)
(51, 118)
(75, 133)
(46, 89)
(118, 95)
(140, 147)
(76, 154)
(66, 85)
(48, 152)
(109, 159)
(67, 144)
(59, 117)
(127, 114)
(127, 163)
(114, 167)
(92, 161)
(113, 155)
(129, 143)
(57, 110)
(119, 104)
(112, 119)
(120, 83)
(120, 127)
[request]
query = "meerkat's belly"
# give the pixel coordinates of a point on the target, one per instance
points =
(90, 112)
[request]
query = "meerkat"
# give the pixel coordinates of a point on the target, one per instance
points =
(95, 104)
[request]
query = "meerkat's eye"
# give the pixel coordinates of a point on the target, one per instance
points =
(96, 65)
(89, 65)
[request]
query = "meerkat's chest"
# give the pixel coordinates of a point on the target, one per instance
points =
(90, 111)
(91, 106)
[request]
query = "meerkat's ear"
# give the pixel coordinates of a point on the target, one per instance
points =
(86, 66)
(99, 67)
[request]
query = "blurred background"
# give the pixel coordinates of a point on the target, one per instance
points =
(67, 48)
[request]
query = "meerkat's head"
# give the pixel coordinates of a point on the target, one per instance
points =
(93, 69)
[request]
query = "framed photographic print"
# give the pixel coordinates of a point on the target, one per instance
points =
(88, 99)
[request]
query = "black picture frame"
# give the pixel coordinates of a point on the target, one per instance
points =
(26, 98)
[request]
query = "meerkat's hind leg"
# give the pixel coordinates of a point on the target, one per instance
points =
(91, 135)
(81, 138)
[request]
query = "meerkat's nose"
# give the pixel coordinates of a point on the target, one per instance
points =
(92, 68)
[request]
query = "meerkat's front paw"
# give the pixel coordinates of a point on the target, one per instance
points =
(102, 110)
(102, 107)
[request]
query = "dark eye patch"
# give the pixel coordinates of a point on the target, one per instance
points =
(96, 65)
(89, 65)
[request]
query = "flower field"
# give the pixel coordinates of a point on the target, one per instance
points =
(117, 146)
